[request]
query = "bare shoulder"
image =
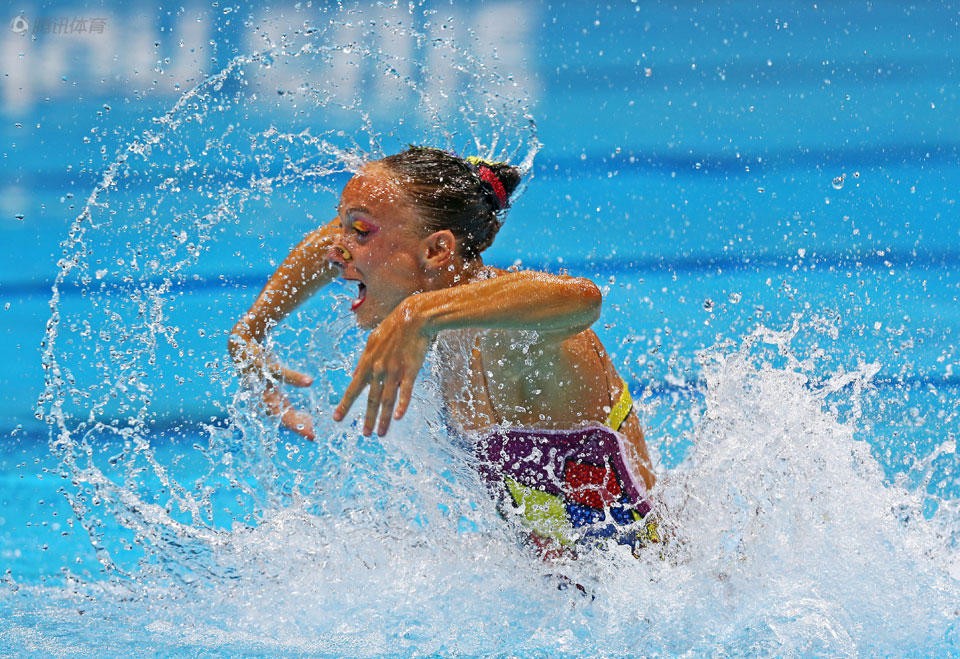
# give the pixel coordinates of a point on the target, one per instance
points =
(490, 272)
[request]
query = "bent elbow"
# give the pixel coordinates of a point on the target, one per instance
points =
(594, 298)
(590, 299)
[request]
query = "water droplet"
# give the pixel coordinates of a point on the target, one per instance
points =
(838, 181)
(19, 216)
(735, 298)
(708, 305)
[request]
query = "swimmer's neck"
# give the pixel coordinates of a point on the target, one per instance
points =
(461, 271)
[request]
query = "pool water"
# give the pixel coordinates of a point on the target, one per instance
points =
(766, 196)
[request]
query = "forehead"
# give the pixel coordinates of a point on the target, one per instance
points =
(374, 192)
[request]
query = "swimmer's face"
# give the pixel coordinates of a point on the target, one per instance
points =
(379, 244)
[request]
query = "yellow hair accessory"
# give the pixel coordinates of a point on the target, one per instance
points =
(477, 161)
(488, 175)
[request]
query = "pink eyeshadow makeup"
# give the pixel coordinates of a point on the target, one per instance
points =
(364, 226)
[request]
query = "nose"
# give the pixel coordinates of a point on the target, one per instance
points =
(338, 255)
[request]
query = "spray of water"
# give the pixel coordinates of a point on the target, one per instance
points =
(784, 536)
(154, 230)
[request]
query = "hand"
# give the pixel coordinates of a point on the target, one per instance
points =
(389, 365)
(251, 361)
(291, 418)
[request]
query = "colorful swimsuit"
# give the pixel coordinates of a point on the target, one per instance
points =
(570, 487)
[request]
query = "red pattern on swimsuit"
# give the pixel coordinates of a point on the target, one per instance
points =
(591, 485)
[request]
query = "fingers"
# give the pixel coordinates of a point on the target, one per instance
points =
(295, 378)
(356, 386)
(384, 385)
(389, 365)
(406, 392)
(373, 405)
(275, 401)
(299, 422)
(291, 418)
(386, 406)
(288, 375)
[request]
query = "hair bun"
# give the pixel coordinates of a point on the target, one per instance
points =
(454, 193)
(500, 177)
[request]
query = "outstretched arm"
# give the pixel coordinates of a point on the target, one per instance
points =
(302, 273)
(556, 306)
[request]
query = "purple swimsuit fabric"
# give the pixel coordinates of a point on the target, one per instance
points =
(561, 463)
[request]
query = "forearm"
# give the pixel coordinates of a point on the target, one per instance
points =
(517, 300)
(303, 272)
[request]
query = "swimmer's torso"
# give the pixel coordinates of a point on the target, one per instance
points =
(493, 377)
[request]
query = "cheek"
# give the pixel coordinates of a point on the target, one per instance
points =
(395, 258)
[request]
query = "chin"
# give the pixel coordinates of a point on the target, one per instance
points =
(369, 316)
(366, 317)
(368, 323)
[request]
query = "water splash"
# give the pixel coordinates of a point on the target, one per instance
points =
(123, 341)
(783, 534)
(786, 537)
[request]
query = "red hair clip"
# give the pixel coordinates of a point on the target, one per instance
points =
(487, 175)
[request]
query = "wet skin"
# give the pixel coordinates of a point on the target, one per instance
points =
(414, 289)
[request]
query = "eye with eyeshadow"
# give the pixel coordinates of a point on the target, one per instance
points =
(362, 228)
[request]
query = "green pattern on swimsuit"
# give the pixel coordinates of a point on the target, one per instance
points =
(543, 513)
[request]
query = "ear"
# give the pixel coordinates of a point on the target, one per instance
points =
(439, 250)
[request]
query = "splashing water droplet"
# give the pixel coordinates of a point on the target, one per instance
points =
(839, 181)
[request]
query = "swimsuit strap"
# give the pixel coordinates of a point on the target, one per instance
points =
(483, 374)
(621, 410)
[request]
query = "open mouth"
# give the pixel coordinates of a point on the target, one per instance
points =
(361, 296)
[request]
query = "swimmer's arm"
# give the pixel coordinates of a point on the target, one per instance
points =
(556, 306)
(302, 273)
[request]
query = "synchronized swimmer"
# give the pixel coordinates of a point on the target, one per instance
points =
(551, 420)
